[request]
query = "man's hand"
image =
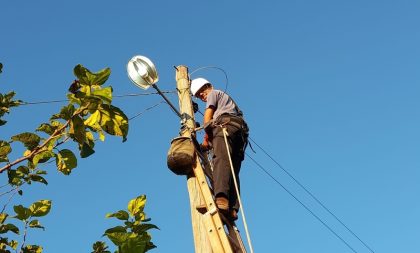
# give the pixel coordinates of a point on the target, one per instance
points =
(205, 146)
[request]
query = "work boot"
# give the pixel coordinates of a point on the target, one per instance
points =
(222, 203)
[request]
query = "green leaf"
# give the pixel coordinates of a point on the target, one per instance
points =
(52, 142)
(102, 76)
(93, 123)
(88, 78)
(36, 224)
(82, 74)
(23, 170)
(15, 177)
(134, 245)
(128, 224)
(74, 99)
(46, 128)
(65, 113)
(85, 150)
(4, 243)
(37, 178)
(136, 206)
(142, 228)
(100, 247)
(22, 213)
(93, 120)
(42, 157)
(121, 215)
(5, 103)
(66, 161)
(40, 208)
(32, 249)
(119, 229)
(56, 124)
(5, 149)
(30, 140)
(118, 238)
(114, 121)
(3, 217)
(104, 94)
(9, 227)
(41, 172)
(77, 129)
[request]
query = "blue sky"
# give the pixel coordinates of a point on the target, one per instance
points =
(329, 88)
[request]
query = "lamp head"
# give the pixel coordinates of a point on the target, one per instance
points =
(142, 72)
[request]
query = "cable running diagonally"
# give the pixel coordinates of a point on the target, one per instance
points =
(312, 195)
(145, 110)
(116, 96)
(300, 202)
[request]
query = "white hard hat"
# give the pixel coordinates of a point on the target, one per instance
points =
(197, 84)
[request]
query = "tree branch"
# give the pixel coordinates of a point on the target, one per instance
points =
(36, 150)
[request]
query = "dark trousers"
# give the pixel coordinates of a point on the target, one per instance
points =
(222, 175)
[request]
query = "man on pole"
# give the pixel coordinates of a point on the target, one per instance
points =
(222, 112)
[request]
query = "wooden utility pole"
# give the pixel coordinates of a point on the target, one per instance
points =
(201, 242)
(208, 229)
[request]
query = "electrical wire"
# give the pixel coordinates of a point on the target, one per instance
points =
(313, 196)
(147, 109)
(115, 96)
(213, 67)
(300, 202)
(306, 207)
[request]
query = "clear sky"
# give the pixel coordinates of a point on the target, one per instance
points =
(329, 88)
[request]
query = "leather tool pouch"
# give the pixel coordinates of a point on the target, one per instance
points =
(181, 155)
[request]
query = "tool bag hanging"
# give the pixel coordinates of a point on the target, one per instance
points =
(181, 155)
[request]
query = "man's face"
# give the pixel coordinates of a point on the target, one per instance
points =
(203, 92)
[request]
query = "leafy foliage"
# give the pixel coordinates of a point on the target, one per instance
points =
(88, 113)
(6, 102)
(100, 247)
(87, 117)
(25, 215)
(132, 237)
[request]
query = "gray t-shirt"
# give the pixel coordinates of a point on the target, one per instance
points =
(222, 103)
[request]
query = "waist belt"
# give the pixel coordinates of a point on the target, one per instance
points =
(227, 119)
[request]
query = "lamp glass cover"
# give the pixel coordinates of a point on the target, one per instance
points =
(142, 72)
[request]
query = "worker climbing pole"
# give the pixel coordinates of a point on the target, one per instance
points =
(213, 225)
(226, 133)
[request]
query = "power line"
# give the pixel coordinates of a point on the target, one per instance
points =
(296, 181)
(307, 208)
(145, 110)
(300, 202)
(43, 102)
(115, 96)
(313, 196)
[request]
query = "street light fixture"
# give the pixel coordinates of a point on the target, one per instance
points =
(142, 72)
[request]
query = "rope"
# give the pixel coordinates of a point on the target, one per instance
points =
(237, 191)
